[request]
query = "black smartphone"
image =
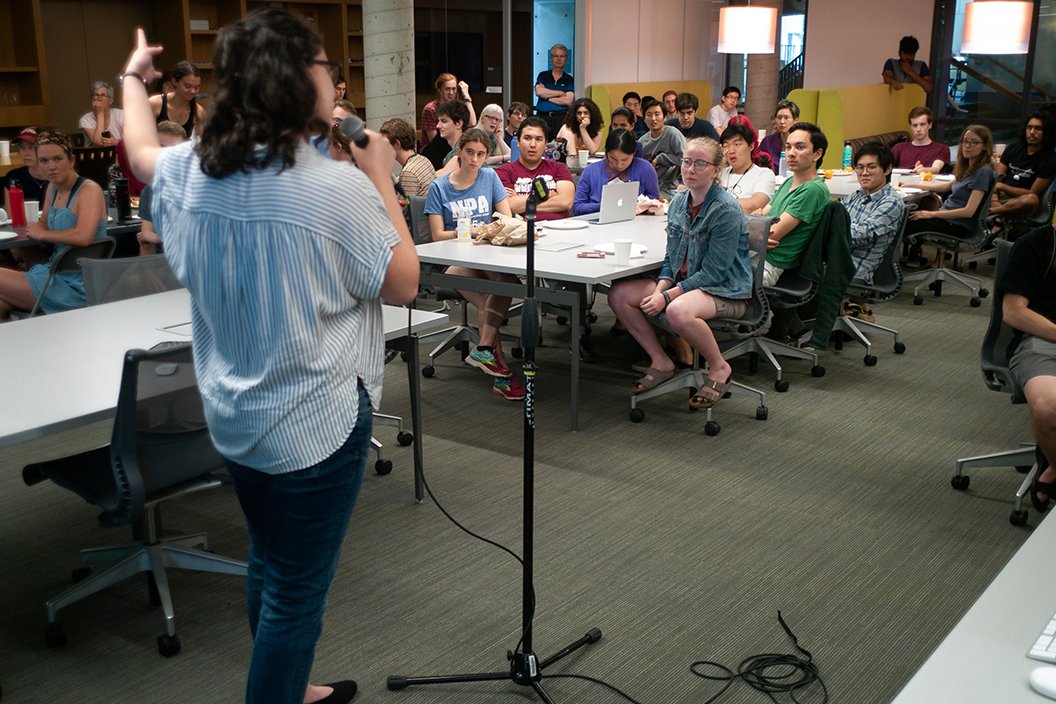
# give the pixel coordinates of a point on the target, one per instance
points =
(106, 134)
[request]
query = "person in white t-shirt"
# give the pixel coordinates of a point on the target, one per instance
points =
(752, 185)
(720, 114)
(102, 125)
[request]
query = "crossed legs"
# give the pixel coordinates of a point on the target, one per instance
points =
(15, 293)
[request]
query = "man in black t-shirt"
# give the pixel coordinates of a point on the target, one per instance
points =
(687, 122)
(1029, 289)
(1026, 170)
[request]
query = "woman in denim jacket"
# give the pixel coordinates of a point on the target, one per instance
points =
(706, 274)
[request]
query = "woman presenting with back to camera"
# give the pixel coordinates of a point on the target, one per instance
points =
(285, 312)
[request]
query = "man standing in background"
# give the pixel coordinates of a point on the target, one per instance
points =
(555, 90)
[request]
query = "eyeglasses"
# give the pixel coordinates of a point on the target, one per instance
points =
(1034, 128)
(697, 164)
(330, 65)
(971, 142)
(867, 168)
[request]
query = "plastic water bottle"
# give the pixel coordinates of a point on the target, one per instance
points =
(782, 165)
(846, 155)
(464, 222)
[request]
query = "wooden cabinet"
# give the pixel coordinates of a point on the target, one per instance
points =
(23, 74)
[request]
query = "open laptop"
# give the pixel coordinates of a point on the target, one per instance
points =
(618, 202)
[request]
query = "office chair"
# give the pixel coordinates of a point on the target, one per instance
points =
(934, 278)
(69, 259)
(994, 357)
(109, 280)
(735, 328)
(159, 449)
(887, 282)
(94, 163)
(1014, 227)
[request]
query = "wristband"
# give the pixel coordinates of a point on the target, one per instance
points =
(121, 77)
(667, 298)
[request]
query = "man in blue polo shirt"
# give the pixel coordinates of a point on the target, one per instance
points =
(555, 90)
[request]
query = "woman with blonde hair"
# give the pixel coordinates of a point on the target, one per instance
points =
(491, 121)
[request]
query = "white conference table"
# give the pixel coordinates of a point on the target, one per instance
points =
(564, 266)
(66, 367)
(984, 659)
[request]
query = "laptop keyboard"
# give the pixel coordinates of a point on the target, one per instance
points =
(1044, 648)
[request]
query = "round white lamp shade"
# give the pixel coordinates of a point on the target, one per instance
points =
(747, 30)
(997, 27)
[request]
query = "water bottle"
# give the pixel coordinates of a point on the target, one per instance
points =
(17, 199)
(463, 223)
(782, 165)
(123, 202)
(846, 156)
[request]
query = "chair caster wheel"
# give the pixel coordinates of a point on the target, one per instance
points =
(592, 317)
(937, 288)
(1018, 518)
(637, 415)
(900, 347)
(960, 482)
(983, 292)
(80, 574)
(781, 385)
(711, 428)
(168, 645)
(918, 300)
(974, 302)
(817, 371)
(54, 635)
(972, 266)
(428, 372)
(762, 413)
(870, 360)
(405, 438)
(383, 467)
(517, 352)
(403, 357)
(561, 320)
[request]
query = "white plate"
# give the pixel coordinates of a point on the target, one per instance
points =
(565, 224)
(942, 177)
(903, 172)
(910, 191)
(637, 250)
(8, 236)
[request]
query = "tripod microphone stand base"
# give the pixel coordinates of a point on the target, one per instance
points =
(525, 670)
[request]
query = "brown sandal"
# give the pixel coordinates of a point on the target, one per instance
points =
(701, 402)
(652, 378)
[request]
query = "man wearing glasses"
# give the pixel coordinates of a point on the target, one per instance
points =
(555, 90)
(1026, 170)
(875, 209)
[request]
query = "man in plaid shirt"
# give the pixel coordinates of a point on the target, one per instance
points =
(875, 209)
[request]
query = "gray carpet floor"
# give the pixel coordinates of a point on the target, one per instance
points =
(837, 512)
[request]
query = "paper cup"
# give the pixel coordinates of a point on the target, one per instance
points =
(623, 252)
(5, 150)
(32, 211)
(762, 133)
(584, 155)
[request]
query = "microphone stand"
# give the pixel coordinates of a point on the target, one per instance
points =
(525, 667)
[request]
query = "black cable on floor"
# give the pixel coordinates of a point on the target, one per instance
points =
(768, 673)
(595, 680)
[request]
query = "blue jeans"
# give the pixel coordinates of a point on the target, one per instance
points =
(297, 522)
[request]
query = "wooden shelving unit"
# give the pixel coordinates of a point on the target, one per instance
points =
(23, 74)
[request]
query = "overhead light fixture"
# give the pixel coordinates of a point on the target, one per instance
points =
(997, 27)
(747, 30)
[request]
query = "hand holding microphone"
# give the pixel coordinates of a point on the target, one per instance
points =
(374, 155)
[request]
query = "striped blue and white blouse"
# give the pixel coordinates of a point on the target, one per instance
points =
(285, 299)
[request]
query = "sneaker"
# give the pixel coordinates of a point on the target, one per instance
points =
(486, 362)
(586, 350)
(510, 389)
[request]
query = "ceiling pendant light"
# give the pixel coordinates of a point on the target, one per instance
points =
(997, 27)
(747, 30)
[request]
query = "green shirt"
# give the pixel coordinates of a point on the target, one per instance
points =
(806, 204)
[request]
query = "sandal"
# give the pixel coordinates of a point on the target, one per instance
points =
(1039, 487)
(701, 402)
(652, 378)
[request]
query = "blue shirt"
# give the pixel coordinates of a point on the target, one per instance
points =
(480, 198)
(595, 176)
(546, 79)
(285, 309)
(874, 223)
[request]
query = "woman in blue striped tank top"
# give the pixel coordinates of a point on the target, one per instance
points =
(285, 314)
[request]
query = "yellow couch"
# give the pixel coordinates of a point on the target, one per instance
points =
(609, 96)
(853, 112)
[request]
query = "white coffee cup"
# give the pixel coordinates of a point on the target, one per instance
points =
(896, 180)
(623, 252)
(32, 211)
(762, 133)
(584, 155)
(5, 150)
(999, 149)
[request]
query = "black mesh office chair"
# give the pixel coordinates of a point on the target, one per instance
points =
(109, 280)
(994, 358)
(735, 329)
(69, 258)
(159, 449)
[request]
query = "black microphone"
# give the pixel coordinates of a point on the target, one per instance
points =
(353, 129)
(539, 190)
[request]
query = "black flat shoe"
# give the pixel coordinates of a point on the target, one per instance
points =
(1039, 487)
(342, 694)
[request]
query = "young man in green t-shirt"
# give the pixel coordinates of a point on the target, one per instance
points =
(798, 202)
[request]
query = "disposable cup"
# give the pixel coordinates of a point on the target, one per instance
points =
(623, 252)
(762, 133)
(5, 150)
(32, 211)
(896, 180)
(584, 155)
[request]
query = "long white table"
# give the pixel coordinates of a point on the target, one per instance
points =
(65, 368)
(564, 266)
(984, 658)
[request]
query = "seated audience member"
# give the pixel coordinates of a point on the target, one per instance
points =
(340, 88)
(662, 147)
(448, 88)
(478, 192)
(975, 178)
(921, 154)
(752, 185)
(338, 146)
(514, 117)
(774, 143)
(74, 214)
(719, 116)
(759, 157)
(491, 123)
(1026, 169)
(343, 109)
(181, 104)
(687, 121)
(668, 99)
(1029, 288)
(517, 176)
(169, 135)
(633, 102)
(452, 117)
(706, 274)
(416, 173)
(623, 119)
(102, 124)
(582, 128)
(906, 68)
(875, 209)
(555, 90)
(620, 163)
(798, 202)
(31, 177)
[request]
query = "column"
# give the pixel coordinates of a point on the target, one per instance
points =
(388, 60)
(762, 79)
